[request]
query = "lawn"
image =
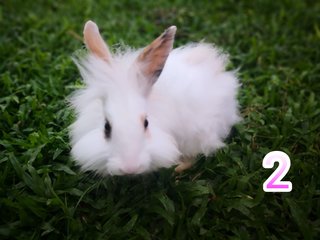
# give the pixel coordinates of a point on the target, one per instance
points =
(43, 194)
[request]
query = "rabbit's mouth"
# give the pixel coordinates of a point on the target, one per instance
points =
(117, 166)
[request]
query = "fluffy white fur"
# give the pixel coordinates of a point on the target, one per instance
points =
(191, 109)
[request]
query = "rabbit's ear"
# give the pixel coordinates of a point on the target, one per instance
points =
(94, 41)
(154, 56)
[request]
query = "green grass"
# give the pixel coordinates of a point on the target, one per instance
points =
(276, 45)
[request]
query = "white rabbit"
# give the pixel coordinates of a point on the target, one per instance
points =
(141, 110)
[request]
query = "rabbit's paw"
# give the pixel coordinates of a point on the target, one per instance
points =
(185, 163)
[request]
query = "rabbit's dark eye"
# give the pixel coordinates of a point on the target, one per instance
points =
(146, 123)
(107, 129)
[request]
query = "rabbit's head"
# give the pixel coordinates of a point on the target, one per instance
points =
(113, 133)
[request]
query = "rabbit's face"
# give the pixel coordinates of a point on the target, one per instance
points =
(126, 132)
(115, 136)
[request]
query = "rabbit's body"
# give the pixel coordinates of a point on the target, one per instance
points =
(194, 99)
(131, 120)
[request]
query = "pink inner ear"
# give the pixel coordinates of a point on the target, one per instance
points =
(94, 41)
(154, 56)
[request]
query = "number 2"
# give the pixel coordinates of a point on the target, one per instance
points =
(274, 183)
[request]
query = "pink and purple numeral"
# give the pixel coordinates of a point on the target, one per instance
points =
(274, 183)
